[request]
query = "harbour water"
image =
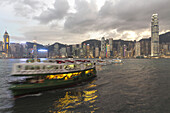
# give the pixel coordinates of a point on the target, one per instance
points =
(137, 86)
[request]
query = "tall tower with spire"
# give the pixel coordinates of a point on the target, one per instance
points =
(154, 35)
(6, 42)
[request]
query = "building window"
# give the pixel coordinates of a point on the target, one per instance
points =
(7, 46)
(7, 40)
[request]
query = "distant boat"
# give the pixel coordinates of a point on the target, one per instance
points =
(35, 77)
(140, 57)
(101, 62)
(117, 61)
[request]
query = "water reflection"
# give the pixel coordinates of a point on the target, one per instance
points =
(77, 99)
(74, 100)
(99, 67)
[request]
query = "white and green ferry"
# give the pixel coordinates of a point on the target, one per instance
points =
(40, 76)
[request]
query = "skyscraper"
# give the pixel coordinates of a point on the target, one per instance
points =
(1, 46)
(35, 51)
(88, 50)
(63, 52)
(154, 35)
(137, 49)
(56, 50)
(6, 42)
(103, 48)
(84, 50)
(68, 51)
(107, 50)
(74, 50)
(96, 52)
(111, 46)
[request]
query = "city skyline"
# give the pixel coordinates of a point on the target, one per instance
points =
(104, 48)
(79, 20)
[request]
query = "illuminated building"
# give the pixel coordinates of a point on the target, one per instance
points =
(25, 50)
(111, 46)
(96, 52)
(107, 50)
(1, 46)
(154, 35)
(68, 51)
(91, 53)
(16, 50)
(35, 51)
(84, 50)
(137, 49)
(124, 50)
(88, 50)
(145, 47)
(74, 50)
(103, 48)
(56, 50)
(6, 42)
(81, 53)
(42, 53)
(1, 49)
(63, 52)
(120, 48)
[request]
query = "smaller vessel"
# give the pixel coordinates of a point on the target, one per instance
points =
(140, 57)
(117, 61)
(101, 62)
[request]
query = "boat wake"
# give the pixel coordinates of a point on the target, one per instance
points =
(29, 95)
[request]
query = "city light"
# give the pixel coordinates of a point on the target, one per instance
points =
(42, 50)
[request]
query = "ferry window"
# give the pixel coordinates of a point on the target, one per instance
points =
(32, 67)
(37, 67)
(89, 64)
(60, 67)
(53, 67)
(26, 67)
(72, 66)
(29, 67)
(66, 66)
(19, 67)
(50, 67)
(78, 66)
(43, 67)
(56, 67)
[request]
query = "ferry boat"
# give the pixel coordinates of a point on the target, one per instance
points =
(40, 76)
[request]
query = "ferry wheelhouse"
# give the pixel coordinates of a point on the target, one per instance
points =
(37, 76)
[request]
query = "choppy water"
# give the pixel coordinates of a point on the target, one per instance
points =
(137, 86)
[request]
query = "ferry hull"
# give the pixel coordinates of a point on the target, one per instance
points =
(23, 89)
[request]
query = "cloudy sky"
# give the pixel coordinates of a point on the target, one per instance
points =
(73, 21)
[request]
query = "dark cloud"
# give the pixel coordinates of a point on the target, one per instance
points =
(119, 15)
(58, 12)
(132, 15)
(114, 14)
(24, 8)
(122, 15)
(83, 19)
